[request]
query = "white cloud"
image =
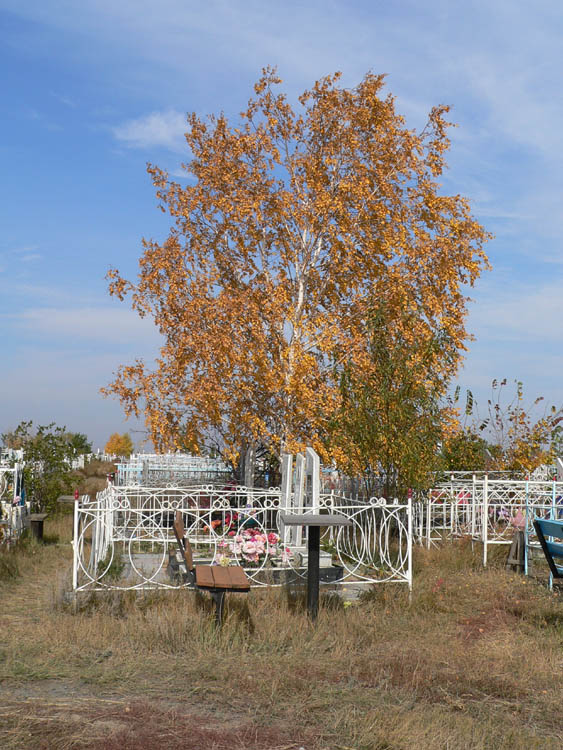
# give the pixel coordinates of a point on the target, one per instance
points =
(51, 386)
(112, 325)
(529, 314)
(24, 249)
(66, 100)
(157, 129)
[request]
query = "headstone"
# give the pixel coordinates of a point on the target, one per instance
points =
(313, 479)
(298, 495)
(286, 497)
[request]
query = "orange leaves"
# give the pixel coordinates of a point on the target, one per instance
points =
(119, 445)
(296, 222)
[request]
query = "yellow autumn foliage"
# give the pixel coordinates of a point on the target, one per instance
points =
(289, 224)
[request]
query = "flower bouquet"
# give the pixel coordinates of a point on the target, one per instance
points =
(252, 548)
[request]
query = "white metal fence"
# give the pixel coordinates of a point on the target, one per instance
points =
(13, 510)
(124, 538)
(487, 510)
(157, 470)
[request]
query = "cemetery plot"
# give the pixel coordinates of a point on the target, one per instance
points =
(124, 538)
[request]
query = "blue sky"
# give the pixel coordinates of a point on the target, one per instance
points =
(93, 90)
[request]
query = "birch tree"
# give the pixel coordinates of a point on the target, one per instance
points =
(290, 222)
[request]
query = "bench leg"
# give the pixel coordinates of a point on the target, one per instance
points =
(218, 598)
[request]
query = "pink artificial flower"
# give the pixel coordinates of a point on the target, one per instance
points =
(231, 533)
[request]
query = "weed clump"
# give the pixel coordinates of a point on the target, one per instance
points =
(9, 568)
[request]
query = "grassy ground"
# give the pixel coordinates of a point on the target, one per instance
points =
(473, 660)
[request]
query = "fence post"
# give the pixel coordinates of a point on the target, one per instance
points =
(553, 516)
(473, 506)
(409, 540)
(526, 532)
(485, 520)
(75, 547)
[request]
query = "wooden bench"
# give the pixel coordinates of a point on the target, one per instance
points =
(216, 579)
(550, 528)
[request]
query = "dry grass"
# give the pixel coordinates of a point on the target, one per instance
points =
(471, 661)
(93, 477)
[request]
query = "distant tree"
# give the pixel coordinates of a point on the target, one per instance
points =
(466, 451)
(47, 454)
(524, 436)
(120, 445)
(12, 439)
(512, 435)
(79, 443)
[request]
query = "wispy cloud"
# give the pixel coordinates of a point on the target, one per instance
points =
(157, 129)
(89, 324)
(24, 249)
(66, 100)
(529, 314)
(45, 121)
(19, 254)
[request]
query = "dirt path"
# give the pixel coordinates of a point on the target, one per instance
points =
(127, 724)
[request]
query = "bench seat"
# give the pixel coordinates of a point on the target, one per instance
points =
(216, 579)
(551, 528)
(232, 578)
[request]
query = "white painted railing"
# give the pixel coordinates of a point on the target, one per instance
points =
(124, 538)
(13, 510)
(487, 510)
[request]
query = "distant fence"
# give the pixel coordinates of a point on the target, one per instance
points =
(157, 470)
(13, 509)
(487, 510)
